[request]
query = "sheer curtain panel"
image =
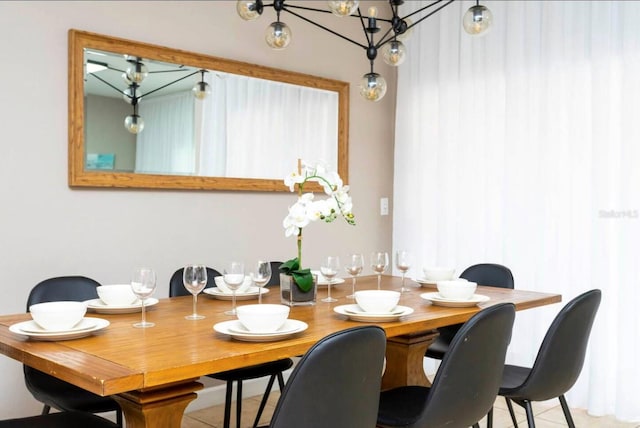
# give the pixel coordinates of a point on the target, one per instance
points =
(521, 147)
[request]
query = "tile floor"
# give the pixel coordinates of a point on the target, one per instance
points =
(548, 415)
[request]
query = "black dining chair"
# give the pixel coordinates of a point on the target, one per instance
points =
(59, 420)
(491, 274)
(466, 383)
(336, 383)
(273, 369)
(49, 390)
(558, 363)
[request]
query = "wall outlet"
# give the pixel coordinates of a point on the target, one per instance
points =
(384, 206)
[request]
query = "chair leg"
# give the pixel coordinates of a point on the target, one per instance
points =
(529, 410)
(476, 425)
(263, 402)
(46, 409)
(227, 404)
(119, 418)
(567, 413)
(511, 412)
(239, 403)
(490, 418)
(280, 381)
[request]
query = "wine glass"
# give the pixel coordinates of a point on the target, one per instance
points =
(403, 264)
(379, 263)
(329, 269)
(143, 284)
(354, 267)
(233, 277)
(261, 276)
(194, 278)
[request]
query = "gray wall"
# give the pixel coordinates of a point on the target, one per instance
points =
(47, 229)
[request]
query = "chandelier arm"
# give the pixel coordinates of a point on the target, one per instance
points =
(384, 39)
(427, 7)
(427, 15)
(286, 9)
(121, 92)
(168, 84)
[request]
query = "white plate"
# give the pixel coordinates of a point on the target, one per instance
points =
(251, 293)
(98, 306)
(285, 328)
(98, 324)
(33, 327)
(234, 329)
(355, 313)
(427, 283)
(324, 281)
(437, 300)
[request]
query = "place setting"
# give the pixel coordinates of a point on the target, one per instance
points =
(374, 306)
(433, 274)
(55, 321)
(261, 323)
(117, 299)
(245, 291)
(457, 293)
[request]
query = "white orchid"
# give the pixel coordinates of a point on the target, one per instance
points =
(307, 209)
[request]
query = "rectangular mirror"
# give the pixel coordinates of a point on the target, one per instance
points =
(145, 116)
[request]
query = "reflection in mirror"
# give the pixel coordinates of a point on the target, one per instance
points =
(149, 116)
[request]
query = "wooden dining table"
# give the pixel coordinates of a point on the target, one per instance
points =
(153, 373)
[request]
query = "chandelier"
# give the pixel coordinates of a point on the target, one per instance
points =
(133, 76)
(390, 42)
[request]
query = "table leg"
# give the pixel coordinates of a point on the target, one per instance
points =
(405, 356)
(157, 407)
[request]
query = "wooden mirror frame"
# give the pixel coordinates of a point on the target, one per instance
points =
(79, 177)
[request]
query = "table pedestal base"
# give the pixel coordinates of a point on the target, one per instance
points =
(162, 407)
(404, 360)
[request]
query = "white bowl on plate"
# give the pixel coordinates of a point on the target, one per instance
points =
(262, 318)
(58, 316)
(377, 301)
(458, 289)
(438, 273)
(222, 286)
(116, 294)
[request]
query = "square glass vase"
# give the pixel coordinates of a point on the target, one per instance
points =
(291, 295)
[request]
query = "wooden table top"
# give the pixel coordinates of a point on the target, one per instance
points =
(122, 358)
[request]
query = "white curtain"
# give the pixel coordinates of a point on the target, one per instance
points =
(167, 145)
(521, 147)
(258, 128)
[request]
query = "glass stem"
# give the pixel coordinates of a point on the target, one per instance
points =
(379, 279)
(353, 286)
(329, 289)
(233, 305)
(402, 289)
(195, 300)
(144, 320)
(259, 295)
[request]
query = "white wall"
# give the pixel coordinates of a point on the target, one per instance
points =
(47, 229)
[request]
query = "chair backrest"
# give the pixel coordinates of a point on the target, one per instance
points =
(491, 274)
(468, 379)
(336, 383)
(275, 274)
(77, 288)
(176, 285)
(561, 355)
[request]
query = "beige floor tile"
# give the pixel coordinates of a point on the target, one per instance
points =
(583, 420)
(214, 416)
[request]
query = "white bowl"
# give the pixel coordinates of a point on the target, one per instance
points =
(222, 286)
(262, 318)
(438, 273)
(458, 289)
(58, 316)
(377, 301)
(116, 294)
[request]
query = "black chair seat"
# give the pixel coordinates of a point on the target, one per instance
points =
(254, 372)
(401, 407)
(59, 420)
(513, 377)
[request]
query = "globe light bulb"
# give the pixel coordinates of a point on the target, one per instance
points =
(201, 90)
(248, 10)
(394, 53)
(477, 20)
(134, 123)
(278, 35)
(343, 8)
(373, 87)
(373, 12)
(136, 72)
